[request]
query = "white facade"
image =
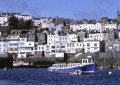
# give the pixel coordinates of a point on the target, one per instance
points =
(88, 27)
(13, 45)
(36, 22)
(72, 38)
(58, 27)
(91, 46)
(55, 44)
(25, 48)
(63, 41)
(3, 20)
(98, 36)
(47, 24)
(74, 47)
(111, 26)
(25, 17)
(4, 46)
(53, 41)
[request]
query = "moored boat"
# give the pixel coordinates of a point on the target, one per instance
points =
(86, 67)
(17, 64)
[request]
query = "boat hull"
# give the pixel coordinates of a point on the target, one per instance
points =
(64, 70)
(85, 69)
(88, 69)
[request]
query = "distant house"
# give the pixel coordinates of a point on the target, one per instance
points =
(66, 28)
(5, 30)
(26, 48)
(98, 36)
(81, 36)
(94, 46)
(112, 46)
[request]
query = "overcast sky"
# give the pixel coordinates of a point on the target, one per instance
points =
(74, 9)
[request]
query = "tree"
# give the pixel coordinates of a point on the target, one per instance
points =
(13, 21)
(28, 24)
(41, 30)
(21, 24)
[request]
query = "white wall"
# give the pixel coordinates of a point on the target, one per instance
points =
(110, 26)
(98, 36)
(91, 46)
(88, 27)
(3, 19)
(72, 38)
(73, 47)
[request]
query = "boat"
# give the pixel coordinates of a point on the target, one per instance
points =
(86, 67)
(17, 64)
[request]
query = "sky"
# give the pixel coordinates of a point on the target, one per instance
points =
(73, 9)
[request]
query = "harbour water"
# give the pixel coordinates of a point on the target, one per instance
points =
(40, 76)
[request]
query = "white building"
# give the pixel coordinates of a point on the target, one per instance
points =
(26, 48)
(98, 36)
(55, 45)
(25, 17)
(111, 26)
(63, 41)
(91, 46)
(58, 26)
(72, 38)
(36, 21)
(4, 46)
(3, 20)
(13, 44)
(74, 47)
(88, 27)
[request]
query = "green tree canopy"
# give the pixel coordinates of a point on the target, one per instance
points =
(28, 24)
(21, 24)
(13, 21)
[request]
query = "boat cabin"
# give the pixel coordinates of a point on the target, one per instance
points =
(87, 61)
(64, 65)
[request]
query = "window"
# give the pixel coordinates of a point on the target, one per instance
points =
(35, 48)
(67, 45)
(16, 49)
(88, 44)
(73, 45)
(77, 44)
(95, 44)
(53, 50)
(53, 46)
(88, 48)
(95, 48)
(15, 44)
(22, 39)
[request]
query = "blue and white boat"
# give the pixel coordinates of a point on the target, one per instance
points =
(86, 67)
